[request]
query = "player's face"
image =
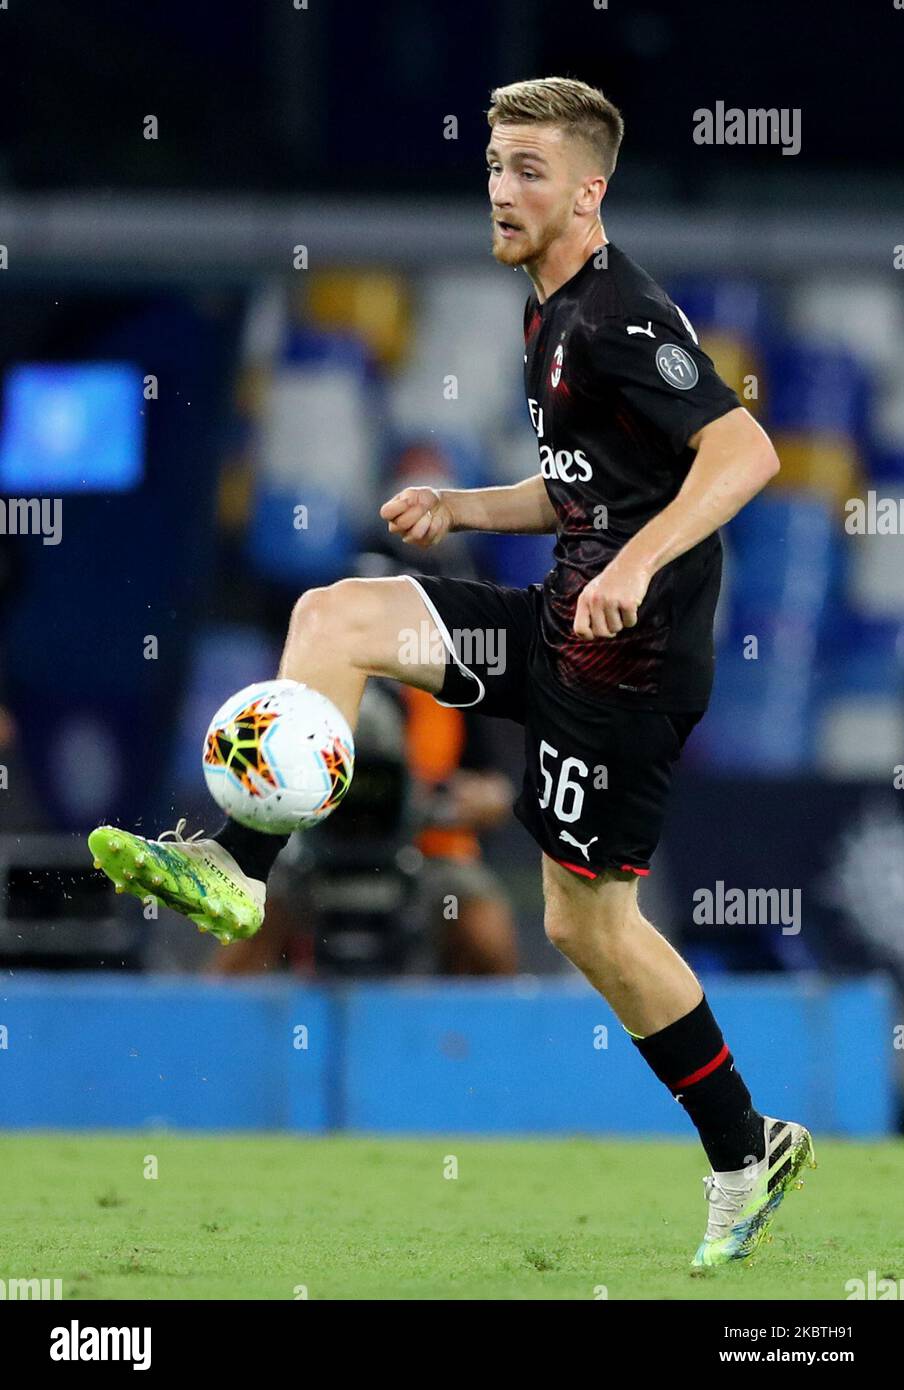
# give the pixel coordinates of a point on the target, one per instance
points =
(533, 179)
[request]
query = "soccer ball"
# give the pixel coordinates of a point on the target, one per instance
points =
(278, 757)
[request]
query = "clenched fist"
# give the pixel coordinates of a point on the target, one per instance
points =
(419, 515)
(611, 600)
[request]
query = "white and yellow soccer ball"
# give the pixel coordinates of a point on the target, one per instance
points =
(278, 757)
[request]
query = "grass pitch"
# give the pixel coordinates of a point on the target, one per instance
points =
(355, 1218)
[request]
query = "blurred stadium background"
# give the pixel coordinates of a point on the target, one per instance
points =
(248, 292)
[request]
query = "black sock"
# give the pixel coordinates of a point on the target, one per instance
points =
(254, 851)
(691, 1058)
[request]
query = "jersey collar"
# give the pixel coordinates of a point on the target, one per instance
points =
(575, 279)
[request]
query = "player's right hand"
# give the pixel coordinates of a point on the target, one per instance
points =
(419, 515)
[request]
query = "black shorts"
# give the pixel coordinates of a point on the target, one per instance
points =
(596, 775)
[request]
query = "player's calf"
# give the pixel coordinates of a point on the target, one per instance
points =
(661, 1005)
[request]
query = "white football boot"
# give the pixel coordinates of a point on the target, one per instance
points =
(743, 1203)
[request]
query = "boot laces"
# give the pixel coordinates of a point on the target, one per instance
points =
(724, 1205)
(177, 835)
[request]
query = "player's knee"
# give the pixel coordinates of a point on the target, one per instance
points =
(561, 932)
(581, 919)
(329, 614)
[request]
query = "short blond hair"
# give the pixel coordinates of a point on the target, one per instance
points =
(574, 106)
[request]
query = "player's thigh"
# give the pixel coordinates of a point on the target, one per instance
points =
(381, 626)
(574, 903)
(465, 641)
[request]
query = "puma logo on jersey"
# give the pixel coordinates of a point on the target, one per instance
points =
(570, 840)
(648, 331)
(558, 358)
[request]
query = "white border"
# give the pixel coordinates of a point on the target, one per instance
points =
(450, 648)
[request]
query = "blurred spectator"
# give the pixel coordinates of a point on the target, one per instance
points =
(470, 924)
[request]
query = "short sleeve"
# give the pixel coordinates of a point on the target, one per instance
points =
(662, 372)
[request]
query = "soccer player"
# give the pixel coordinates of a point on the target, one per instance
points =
(644, 454)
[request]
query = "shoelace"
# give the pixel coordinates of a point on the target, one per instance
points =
(726, 1210)
(178, 836)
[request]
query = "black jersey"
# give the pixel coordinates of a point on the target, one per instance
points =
(616, 385)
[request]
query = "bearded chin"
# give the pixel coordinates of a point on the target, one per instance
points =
(523, 250)
(517, 253)
(506, 254)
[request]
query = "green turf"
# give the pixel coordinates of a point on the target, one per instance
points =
(254, 1217)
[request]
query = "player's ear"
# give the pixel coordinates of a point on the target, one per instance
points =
(591, 194)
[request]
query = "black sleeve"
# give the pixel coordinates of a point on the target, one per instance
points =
(666, 378)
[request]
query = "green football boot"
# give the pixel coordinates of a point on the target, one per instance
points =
(196, 877)
(742, 1204)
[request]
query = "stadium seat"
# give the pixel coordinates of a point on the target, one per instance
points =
(861, 317)
(885, 466)
(818, 412)
(876, 584)
(321, 421)
(889, 413)
(301, 543)
(786, 565)
(818, 390)
(861, 736)
(373, 305)
(863, 656)
(761, 714)
(787, 560)
(742, 308)
(465, 370)
(822, 463)
(317, 460)
(860, 719)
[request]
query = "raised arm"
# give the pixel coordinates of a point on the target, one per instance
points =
(423, 515)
